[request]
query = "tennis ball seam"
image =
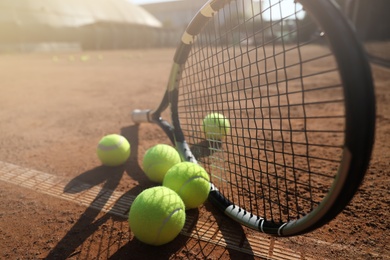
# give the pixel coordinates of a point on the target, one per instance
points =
(189, 180)
(113, 146)
(165, 221)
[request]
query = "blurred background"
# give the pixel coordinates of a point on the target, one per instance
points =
(58, 25)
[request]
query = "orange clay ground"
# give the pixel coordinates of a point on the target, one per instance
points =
(54, 108)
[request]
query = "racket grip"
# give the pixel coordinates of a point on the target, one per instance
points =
(141, 116)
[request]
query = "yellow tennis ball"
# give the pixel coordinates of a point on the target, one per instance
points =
(157, 161)
(190, 181)
(113, 150)
(157, 215)
(216, 126)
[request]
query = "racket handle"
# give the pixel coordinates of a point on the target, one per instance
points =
(141, 116)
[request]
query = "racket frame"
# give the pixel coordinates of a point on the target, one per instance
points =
(359, 105)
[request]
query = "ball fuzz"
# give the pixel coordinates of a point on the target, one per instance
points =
(157, 216)
(157, 161)
(216, 126)
(190, 181)
(113, 150)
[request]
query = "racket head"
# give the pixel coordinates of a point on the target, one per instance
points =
(296, 87)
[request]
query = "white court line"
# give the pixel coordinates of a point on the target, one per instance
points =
(81, 193)
(118, 203)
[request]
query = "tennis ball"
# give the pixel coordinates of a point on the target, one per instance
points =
(113, 150)
(157, 161)
(216, 126)
(84, 58)
(157, 215)
(190, 181)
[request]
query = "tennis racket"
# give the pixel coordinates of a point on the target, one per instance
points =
(295, 85)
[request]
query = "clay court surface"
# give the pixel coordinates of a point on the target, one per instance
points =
(57, 202)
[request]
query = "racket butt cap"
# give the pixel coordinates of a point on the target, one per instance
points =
(140, 116)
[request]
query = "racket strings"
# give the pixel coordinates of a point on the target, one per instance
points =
(283, 97)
